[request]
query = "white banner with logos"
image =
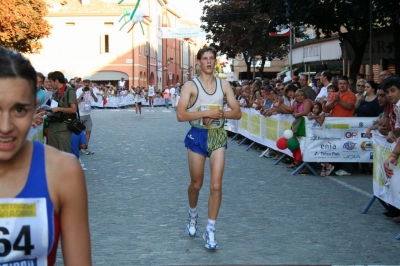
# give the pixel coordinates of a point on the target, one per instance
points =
(387, 189)
(182, 33)
(339, 139)
(126, 100)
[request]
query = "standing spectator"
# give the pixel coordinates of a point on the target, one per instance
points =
(341, 104)
(121, 83)
(64, 95)
(360, 91)
(173, 96)
(151, 96)
(325, 79)
(369, 105)
(384, 74)
(84, 96)
(391, 85)
(311, 94)
(166, 96)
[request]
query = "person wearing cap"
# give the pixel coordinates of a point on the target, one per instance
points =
(84, 97)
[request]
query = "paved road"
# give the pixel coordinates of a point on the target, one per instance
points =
(137, 182)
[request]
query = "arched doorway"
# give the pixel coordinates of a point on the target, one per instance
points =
(177, 79)
(151, 79)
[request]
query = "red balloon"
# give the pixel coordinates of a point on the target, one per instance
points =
(281, 143)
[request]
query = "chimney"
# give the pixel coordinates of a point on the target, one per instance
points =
(85, 2)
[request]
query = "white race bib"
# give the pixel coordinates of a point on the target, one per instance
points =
(23, 232)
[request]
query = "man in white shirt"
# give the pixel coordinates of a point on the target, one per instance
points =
(84, 96)
(121, 83)
(173, 97)
(325, 79)
(151, 96)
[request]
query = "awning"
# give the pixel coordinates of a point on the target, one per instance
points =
(318, 51)
(283, 71)
(108, 75)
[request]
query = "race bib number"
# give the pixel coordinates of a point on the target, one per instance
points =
(216, 123)
(23, 232)
(87, 107)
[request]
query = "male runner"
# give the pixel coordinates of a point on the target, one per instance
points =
(201, 104)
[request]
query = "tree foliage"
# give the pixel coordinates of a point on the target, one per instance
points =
(350, 19)
(22, 24)
(239, 26)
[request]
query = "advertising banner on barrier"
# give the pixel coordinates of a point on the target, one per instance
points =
(387, 189)
(264, 130)
(339, 139)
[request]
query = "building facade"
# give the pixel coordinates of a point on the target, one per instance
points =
(88, 39)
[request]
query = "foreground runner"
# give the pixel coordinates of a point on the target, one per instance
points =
(42, 190)
(201, 103)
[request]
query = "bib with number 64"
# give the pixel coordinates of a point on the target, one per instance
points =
(23, 231)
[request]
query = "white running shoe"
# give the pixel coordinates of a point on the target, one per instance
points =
(191, 227)
(211, 241)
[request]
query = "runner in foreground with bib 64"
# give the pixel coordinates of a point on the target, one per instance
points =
(201, 104)
(42, 190)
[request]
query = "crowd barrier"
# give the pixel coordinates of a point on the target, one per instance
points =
(338, 139)
(124, 101)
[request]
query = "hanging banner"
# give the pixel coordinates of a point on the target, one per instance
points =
(182, 33)
(387, 189)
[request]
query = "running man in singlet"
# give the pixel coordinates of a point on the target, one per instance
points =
(201, 103)
(42, 190)
(151, 96)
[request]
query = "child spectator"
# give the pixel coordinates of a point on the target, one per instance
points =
(319, 116)
(78, 142)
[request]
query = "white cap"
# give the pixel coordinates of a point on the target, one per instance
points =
(86, 78)
(287, 79)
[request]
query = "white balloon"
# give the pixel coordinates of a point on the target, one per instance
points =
(135, 19)
(140, 19)
(287, 134)
(139, 13)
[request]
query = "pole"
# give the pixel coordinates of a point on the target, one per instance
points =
(370, 37)
(291, 49)
(254, 68)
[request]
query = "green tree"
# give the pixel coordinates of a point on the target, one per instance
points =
(22, 24)
(239, 26)
(350, 19)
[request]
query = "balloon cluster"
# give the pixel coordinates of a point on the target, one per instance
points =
(135, 16)
(288, 141)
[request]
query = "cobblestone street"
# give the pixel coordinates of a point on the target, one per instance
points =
(137, 183)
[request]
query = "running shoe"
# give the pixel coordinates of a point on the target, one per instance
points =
(209, 238)
(191, 227)
(87, 152)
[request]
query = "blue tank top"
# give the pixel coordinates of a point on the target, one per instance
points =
(36, 187)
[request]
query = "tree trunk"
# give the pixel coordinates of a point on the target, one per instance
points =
(248, 66)
(358, 43)
(396, 44)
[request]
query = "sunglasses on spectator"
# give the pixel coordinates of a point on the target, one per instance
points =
(359, 85)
